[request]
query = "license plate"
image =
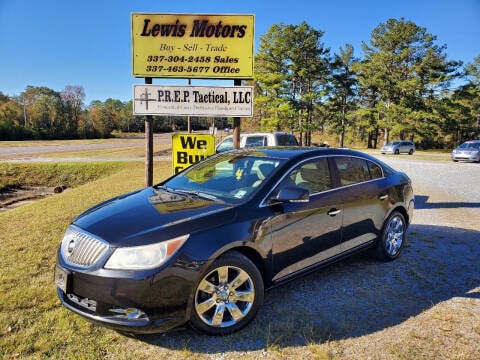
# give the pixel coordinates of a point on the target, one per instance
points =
(62, 278)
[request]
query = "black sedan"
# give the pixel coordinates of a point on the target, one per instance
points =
(202, 246)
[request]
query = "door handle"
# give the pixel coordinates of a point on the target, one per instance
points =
(383, 197)
(334, 212)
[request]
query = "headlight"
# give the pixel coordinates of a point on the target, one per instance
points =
(144, 257)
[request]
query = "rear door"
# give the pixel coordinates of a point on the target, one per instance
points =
(365, 195)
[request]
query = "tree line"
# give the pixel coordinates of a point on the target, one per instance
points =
(42, 113)
(404, 87)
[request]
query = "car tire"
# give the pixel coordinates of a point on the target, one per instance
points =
(410, 152)
(392, 238)
(228, 295)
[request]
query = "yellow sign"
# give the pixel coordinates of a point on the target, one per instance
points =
(188, 149)
(192, 45)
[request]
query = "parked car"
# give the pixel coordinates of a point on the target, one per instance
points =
(258, 139)
(468, 151)
(398, 147)
(202, 246)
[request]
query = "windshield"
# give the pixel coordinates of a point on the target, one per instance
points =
(230, 177)
(470, 145)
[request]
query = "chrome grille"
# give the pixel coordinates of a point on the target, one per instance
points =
(81, 249)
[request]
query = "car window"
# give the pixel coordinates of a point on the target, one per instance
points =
(312, 175)
(225, 145)
(229, 176)
(352, 170)
(470, 145)
(286, 140)
(375, 170)
(256, 141)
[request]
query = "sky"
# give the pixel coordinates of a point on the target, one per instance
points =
(55, 43)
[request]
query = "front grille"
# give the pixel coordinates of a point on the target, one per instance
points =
(81, 249)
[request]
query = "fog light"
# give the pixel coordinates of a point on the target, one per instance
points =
(130, 313)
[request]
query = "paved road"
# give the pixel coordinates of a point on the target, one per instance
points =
(33, 152)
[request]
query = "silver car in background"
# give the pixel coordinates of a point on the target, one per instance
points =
(468, 151)
(398, 147)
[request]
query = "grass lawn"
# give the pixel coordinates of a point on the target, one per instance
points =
(33, 324)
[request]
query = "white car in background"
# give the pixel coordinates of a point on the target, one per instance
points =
(259, 139)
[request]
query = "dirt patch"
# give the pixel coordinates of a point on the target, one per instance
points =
(11, 198)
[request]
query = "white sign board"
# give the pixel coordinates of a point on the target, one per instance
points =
(235, 101)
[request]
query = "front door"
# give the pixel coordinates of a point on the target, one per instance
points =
(304, 234)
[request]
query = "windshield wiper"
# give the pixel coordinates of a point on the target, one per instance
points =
(196, 193)
(165, 194)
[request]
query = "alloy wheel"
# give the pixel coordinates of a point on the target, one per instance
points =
(224, 296)
(394, 235)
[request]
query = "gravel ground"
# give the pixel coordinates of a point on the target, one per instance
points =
(424, 305)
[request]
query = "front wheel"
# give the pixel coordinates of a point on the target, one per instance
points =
(228, 295)
(392, 238)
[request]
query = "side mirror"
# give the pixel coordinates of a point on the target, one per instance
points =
(291, 194)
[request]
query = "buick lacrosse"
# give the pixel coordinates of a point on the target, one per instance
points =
(201, 247)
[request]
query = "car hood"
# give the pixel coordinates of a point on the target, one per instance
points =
(148, 216)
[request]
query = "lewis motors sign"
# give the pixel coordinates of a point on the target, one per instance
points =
(193, 100)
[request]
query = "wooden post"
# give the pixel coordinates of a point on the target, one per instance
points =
(189, 128)
(148, 145)
(236, 122)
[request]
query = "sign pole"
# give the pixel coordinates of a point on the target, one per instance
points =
(236, 122)
(189, 129)
(148, 145)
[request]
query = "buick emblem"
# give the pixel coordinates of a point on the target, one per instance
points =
(71, 247)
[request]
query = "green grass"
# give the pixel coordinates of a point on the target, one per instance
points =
(33, 324)
(50, 174)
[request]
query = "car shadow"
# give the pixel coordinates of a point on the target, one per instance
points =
(422, 203)
(355, 297)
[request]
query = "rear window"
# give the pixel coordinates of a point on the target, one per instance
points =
(286, 140)
(355, 170)
(256, 141)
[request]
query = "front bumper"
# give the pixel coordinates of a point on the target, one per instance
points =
(459, 156)
(133, 302)
(123, 323)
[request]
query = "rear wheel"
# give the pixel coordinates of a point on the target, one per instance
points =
(392, 238)
(228, 295)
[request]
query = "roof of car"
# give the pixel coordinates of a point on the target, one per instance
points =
(263, 133)
(295, 151)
